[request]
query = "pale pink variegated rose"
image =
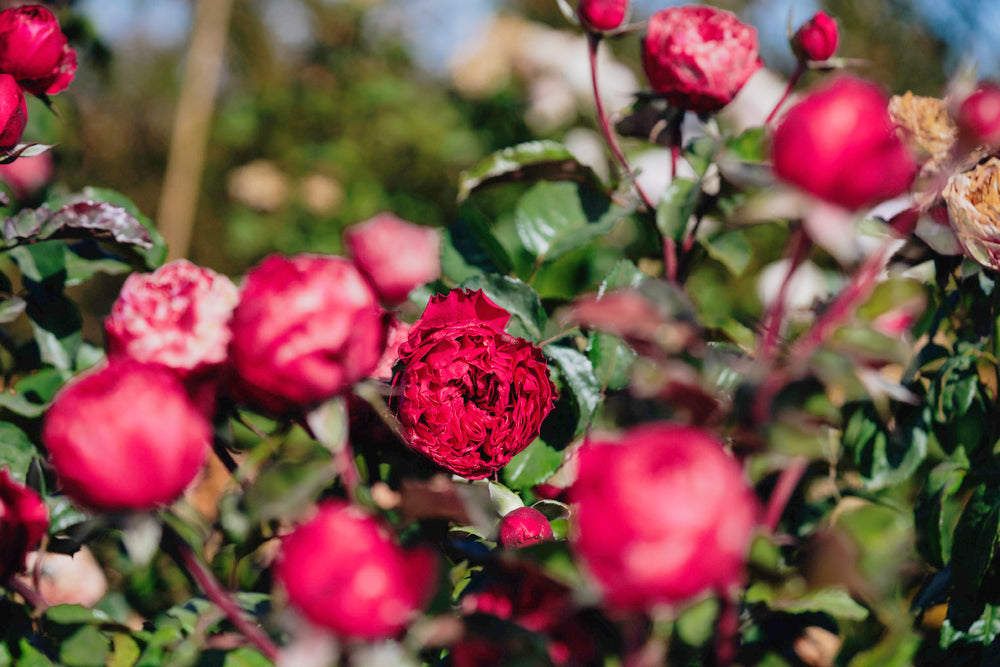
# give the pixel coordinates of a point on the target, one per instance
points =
(178, 316)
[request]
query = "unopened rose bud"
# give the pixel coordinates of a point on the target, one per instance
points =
(601, 15)
(24, 520)
(978, 117)
(394, 254)
(34, 50)
(817, 39)
(522, 527)
(699, 57)
(973, 199)
(13, 112)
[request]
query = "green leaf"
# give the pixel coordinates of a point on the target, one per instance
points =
(286, 487)
(974, 547)
(983, 630)
(32, 394)
(553, 219)
(885, 457)
(731, 248)
(124, 651)
(835, 601)
(611, 357)
(577, 373)
(532, 466)
(531, 161)
(11, 309)
(750, 146)
(16, 451)
(937, 510)
(88, 647)
(57, 325)
(74, 614)
(528, 317)
(31, 657)
(676, 207)
(469, 248)
(697, 624)
(246, 657)
(42, 262)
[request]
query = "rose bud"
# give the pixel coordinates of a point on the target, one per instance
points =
(697, 57)
(601, 15)
(522, 527)
(23, 523)
(470, 395)
(817, 38)
(840, 145)
(394, 254)
(662, 516)
(344, 571)
(306, 328)
(13, 112)
(27, 175)
(978, 117)
(973, 199)
(34, 50)
(125, 437)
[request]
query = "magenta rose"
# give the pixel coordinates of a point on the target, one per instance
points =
(978, 116)
(177, 316)
(470, 395)
(522, 527)
(601, 15)
(345, 572)
(13, 112)
(24, 520)
(816, 39)
(34, 50)
(661, 516)
(394, 254)
(306, 328)
(125, 437)
(840, 145)
(697, 57)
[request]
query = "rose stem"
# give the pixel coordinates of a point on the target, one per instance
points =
(796, 249)
(792, 81)
(787, 481)
(31, 596)
(727, 631)
(214, 591)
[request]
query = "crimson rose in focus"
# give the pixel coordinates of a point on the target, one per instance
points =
(34, 50)
(661, 516)
(306, 328)
(344, 571)
(600, 15)
(816, 39)
(177, 316)
(523, 526)
(470, 395)
(23, 522)
(125, 437)
(840, 145)
(698, 58)
(394, 254)
(13, 112)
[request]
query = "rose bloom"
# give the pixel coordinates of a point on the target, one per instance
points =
(13, 112)
(816, 39)
(34, 50)
(125, 437)
(697, 57)
(177, 316)
(306, 328)
(345, 572)
(973, 199)
(661, 516)
(600, 15)
(27, 175)
(840, 145)
(978, 116)
(522, 527)
(24, 520)
(470, 395)
(394, 254)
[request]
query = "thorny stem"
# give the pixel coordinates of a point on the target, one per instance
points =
(792, 82)
(787, 481)
(796, 250)
(214, 591)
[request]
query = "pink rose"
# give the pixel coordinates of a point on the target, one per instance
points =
(344, 571)
(24, 520)
(839, 144)
(697, 57)
(816, 39)
(306, 328)
(125, 437)
(522, 527)
(177, 316)
(398, 332)
(394, 254)
(601, 15)
(27, 175)
(470, 395)
(34, 50)
(978, 116)
(13, 112)
(661, 516)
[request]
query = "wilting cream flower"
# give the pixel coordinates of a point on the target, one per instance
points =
(973, 199)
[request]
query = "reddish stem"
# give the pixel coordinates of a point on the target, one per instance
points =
(727, 631)
(787, 481)
(792, 81)
(31, 595)
(796, 250)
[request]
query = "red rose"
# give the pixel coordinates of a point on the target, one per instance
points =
(177, 316)
(471, 396)
(23, 522)
(523, 526)
(306, 328)
(34, 50)
(839, 144)
(125, 437)
(344, 571)
(817, 38)
(662, 516)
(600, 15)
(978, 117)
(13, 112)
(697, 57)
(394, 254)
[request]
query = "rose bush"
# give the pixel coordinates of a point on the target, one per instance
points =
(344, 572)
(394, 254)
(24, 521)
(34, 50)
(699, 57)
(470, 395)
